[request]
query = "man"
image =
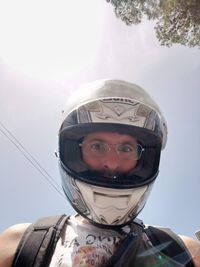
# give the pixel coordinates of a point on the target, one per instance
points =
(109, 152)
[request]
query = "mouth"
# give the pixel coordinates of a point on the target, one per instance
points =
(109, 174)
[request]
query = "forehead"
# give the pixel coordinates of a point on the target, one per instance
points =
(110, 137)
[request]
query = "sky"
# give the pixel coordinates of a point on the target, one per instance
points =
(47, 49)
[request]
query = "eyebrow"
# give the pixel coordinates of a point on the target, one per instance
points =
(128, 142)
(95, 139)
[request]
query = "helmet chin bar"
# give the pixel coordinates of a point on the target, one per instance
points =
(104, 206)
(109, 206)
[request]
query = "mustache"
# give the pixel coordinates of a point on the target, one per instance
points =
(107, 173)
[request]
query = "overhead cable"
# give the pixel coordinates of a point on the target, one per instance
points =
(30, 158)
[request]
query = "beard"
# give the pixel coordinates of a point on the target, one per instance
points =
(107, 173)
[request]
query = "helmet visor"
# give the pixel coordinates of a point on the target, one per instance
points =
(127, 163)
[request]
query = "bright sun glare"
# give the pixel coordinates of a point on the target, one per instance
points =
(48, 37)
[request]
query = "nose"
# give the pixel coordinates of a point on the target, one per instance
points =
(111, 160)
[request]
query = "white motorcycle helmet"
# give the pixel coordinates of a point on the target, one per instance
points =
(119, 107)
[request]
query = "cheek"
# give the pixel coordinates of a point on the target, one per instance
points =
(126, 166)
(93, 163)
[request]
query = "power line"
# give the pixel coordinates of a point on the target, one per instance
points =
(30, 158)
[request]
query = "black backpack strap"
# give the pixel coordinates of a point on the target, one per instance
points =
(128, 247)
(38, 242)
(170, 245)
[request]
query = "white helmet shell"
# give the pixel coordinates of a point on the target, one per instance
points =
(115, 106)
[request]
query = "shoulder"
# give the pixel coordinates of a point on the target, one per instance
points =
(9, 241)
(193, 247)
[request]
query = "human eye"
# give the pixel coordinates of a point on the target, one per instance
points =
(97, 146)
(126, 148)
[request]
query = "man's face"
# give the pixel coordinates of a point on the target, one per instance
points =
(110, 153)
